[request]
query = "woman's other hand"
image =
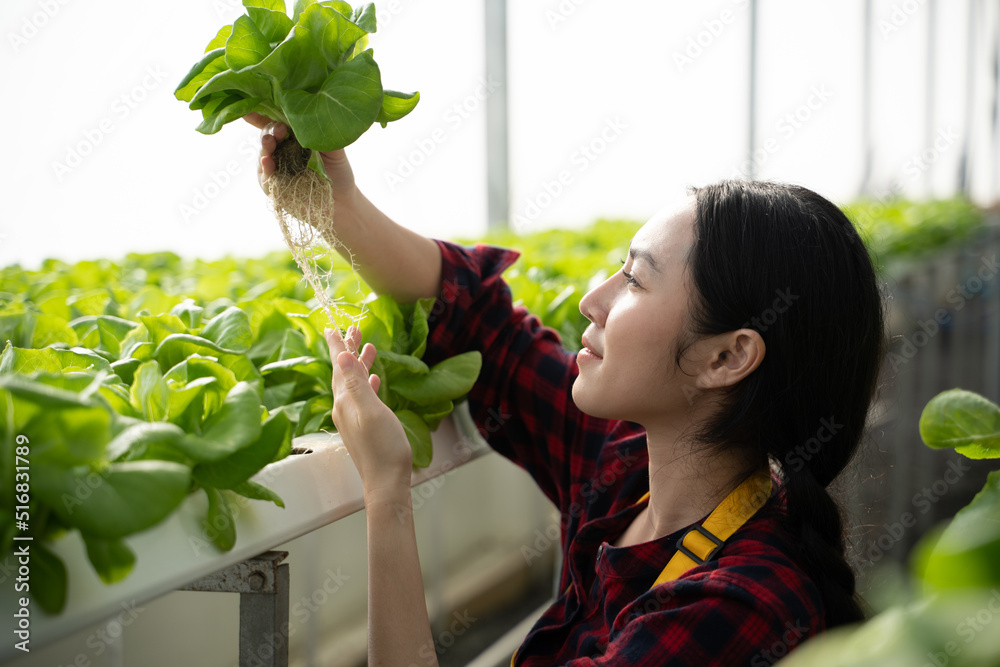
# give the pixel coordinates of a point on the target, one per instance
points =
(373, 435)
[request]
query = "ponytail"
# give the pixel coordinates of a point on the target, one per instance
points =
(815, 519)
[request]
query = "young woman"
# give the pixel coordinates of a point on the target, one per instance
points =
(723, 384)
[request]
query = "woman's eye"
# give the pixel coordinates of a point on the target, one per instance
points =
(628, 276)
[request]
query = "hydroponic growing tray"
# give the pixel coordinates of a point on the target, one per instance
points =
(318, 488)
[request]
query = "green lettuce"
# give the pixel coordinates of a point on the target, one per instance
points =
(310, 71)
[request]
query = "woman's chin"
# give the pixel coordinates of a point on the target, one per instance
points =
(589, 404)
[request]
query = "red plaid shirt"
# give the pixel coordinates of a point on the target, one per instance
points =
(749, 606)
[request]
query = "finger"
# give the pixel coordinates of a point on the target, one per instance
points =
(368, 356)
(375, 382)
(335, 341)
(269, 140)
(278, 130)
(354, 381)
(267, 167)
(259, 121)
(353, 340)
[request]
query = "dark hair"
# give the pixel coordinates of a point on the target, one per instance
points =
(786, 262)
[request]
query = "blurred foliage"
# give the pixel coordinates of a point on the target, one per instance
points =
(901, 232)
(954, 615)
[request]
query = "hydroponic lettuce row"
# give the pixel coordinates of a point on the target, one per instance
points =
(138, 384)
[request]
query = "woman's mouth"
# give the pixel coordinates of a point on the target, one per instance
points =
(587, 351)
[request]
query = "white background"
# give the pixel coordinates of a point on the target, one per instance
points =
(665, 81)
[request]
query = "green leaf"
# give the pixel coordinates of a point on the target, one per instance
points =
(228, 114)
(399, 366)
(333, 34)
(300, 6)
(236, 425)
(125, 369)
(189, 403)
(149, 394)
(395, 105)
(211, 64)
(189, 313)
(964, 420)
(178, 347)
(35, 390)
(295, 64)
(27, 361)
(364, 17)
(160, 326)
(272, 21)
(219, 41)
(195, 367)
(48, 581)
(140, 435)
(251, 489)
(219, 525)
(419, 329)
(273, 5)
(342, 109)
(378, 325)
(113, 560)
(80, 359)
(236, 468)
(447, 380)
(122, 499)
(310, 366)
(69, 435)
(17, 328)
(251, 82)
(315, 412)
(293, 344)
(966, 553)
(419, 437)
(247, 45)
(244, 371)
(433, 415)
(230, 329)
(51, 329)
(197, 387)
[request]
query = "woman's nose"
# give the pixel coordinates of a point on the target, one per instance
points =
(592, 304)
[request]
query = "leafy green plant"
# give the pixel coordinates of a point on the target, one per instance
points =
(310, 71)
(956, 568)
(901, 232)
(131, 395)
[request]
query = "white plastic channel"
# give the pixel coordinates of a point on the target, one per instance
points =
(318, 488)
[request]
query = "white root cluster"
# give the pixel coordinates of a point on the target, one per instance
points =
(303, 206)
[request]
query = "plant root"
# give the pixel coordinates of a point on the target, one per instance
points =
(303, 205)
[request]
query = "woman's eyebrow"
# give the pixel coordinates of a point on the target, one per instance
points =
(644, 255)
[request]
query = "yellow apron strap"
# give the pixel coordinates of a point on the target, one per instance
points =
(701, 543)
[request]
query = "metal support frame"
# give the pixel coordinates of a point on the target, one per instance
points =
(262, 583)
(497, 122)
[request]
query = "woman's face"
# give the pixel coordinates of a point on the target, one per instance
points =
(627, 366)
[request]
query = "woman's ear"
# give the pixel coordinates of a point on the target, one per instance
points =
(732, 357)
